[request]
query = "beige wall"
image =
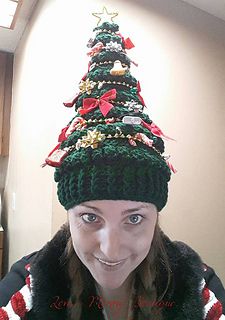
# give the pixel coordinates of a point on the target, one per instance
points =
(181, 56)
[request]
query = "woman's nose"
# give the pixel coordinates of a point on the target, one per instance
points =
(110, 244)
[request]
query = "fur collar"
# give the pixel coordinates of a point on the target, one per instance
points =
(51, 288)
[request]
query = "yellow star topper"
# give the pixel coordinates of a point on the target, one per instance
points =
(105, 16)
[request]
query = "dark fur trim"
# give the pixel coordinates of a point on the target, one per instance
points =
(51, 284)
(187, 272)
(50, 280)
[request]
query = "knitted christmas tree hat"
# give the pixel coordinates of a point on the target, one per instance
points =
(110, 150)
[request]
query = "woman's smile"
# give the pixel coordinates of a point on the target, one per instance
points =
(111, 266)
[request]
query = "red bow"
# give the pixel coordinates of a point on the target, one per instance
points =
(155, 130)
(139, 96)
(90, 104)
(62, 135)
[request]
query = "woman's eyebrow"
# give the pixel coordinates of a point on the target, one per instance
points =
(134, 209)
(123, 212)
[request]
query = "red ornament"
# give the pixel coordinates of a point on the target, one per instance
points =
(71, 102)
(128, 44)
(56, 157)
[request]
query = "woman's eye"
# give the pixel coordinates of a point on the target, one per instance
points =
(135, 218)
(89, 217)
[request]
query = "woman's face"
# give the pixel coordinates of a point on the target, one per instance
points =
(112, 237)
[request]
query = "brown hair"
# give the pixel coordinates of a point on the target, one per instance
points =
(146, 281)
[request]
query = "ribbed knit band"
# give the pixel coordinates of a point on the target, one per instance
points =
(127, 178)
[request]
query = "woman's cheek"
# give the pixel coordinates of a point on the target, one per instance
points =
(143, 239)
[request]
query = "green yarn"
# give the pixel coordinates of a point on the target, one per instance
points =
(112, 27)
(102, 72)
(111, 56)
(114, 169)
(104, 38)
(124, 183)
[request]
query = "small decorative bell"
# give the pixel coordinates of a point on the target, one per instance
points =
(118, 69)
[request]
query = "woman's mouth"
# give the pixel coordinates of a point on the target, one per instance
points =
(110, 263)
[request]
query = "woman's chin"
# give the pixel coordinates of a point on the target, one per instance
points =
(110, 284)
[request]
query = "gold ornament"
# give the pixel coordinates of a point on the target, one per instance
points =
(105, 16)
(86, 86)
(92, 139)
(118, 69)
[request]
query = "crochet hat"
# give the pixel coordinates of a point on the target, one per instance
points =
(110, 150)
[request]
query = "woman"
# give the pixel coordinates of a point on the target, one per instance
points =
(111, 260)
